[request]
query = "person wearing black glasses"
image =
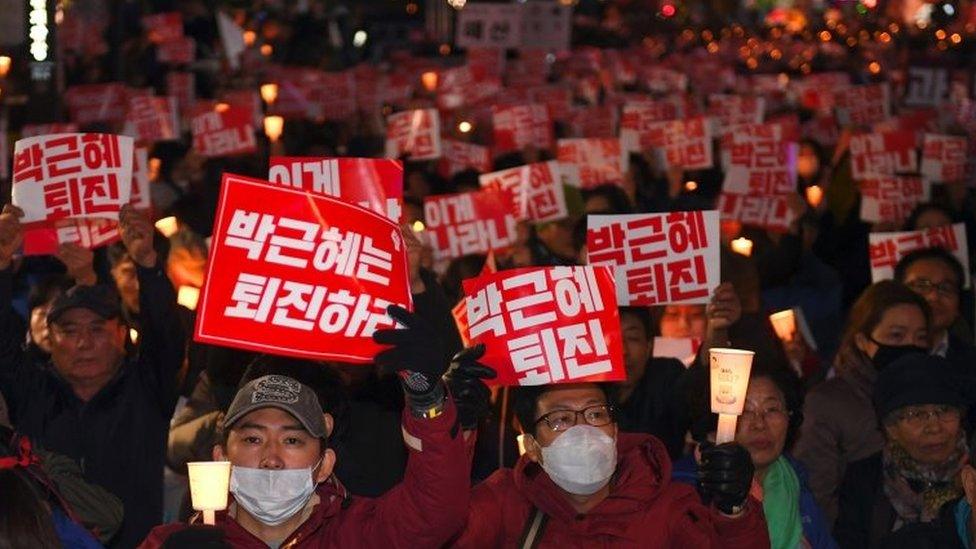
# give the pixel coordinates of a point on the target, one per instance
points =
(584, 483)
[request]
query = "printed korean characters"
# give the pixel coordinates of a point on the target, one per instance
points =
(520, 126)
(536, 190)
(684, 144)
(547, 325)
(891, 199)
(944, 158)
(883, 153)
(761, 167)
(862, 105)
(771, 212)
(468, 223)
(299, 274)
(458, 156)
(415, 134)
(375, 184)
(886, 249)
(222, 130)
(591, 162)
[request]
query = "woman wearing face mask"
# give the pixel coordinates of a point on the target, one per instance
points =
(887, 321)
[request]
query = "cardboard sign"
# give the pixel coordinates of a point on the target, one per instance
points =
(766, 212)
(152, 119)
(590, 162)
(163, 27)
(140, 196)
(72, 175)
(87, 233)
(468, 223)
(374, 184)
(761, 167)
(731, 111)
(520, 126)
(685, 144)
(638, 116)
(863, 105)
(298, 274)
(33, 130)
(546, 24)
(180, 51)
(892, 199)
(489, 26)
(944, 158)
(222, 133)
(880, 154)
(460, 311)
(547, 325)
(927, 86)
(416, 134)
(886, 249)
(457, 156)
(97, 103)
(684, 349)
(658, 258)
(536, 190)
(182, 86)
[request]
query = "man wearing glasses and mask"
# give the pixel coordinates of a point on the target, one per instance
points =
(583, 483)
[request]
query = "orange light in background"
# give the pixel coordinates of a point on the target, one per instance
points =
(940, 34)
(429, 80)
(742, 246)
(267, 50)
(445, 49)
(273, 126)
(712, 47)
(752, 63)
(874, 67)
(465, 127)
(815, 195)
(154, 166)
(168, 226)
(691, 186)
(269, 92)
(250, 37)
(5, 62)
(956, 38)
(188, 296)
(825, 36)
(221, 107)
(412, 8)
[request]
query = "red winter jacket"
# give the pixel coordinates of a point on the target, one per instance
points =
(644, 509)
(424, 510)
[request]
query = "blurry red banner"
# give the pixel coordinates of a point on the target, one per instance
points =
(731, 111)
(97, 103)
(536, 190)
(468, 223)
(298, 274)
(891, 199)
(521, 126)
(886, 249)
(600, 121)
(657, 258)
(880, 154)
(457, 156)
(816, 91)
(374, 184)
(179, 51)
(557, 99)
(685, 144)
(87, 233)
(766, 212)
(639, 115)
(163, 27)
(152, 119)
(761, 167)
(547, 325)
(415, 133)
(33, 130)
(460, 311)
(72, 175)
(226, 132)
(465, 85)
(591, 162)
(944, 158)
(863, 105)
(335, 95)
(182, 86)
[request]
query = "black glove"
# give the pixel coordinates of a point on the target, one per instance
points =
(197, 537)
(472, 398)
(417, 356)
(725, 475)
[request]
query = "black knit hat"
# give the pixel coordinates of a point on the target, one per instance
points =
(916, 379)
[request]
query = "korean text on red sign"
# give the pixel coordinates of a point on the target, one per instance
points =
(87, 233)
(588, 163)
(863, 105)
(767, 212)
(224, 132)
(685, 144)
(374, 184)
(415, 133)
(885, 153)
(658, 258)
(547, 325)
(469, 223)
(885, 249)
(460, 155)
(943, 157)
(761, 167)
(516, 127)
(536, 190)
(72, 175)
(297, 274)
(892, 198)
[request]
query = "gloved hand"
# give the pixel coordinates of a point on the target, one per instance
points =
(417, 356)
(198, 536)
(471, 396)
(725, 475)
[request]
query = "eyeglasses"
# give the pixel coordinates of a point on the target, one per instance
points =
(560, 420)
(917, 417)
(773, 413)
(924, 286)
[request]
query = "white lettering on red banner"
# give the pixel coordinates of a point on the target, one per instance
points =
(766, 212)
(520, 126)
(731, 111)
(179, 51)
(891, 199)
(944, 158)
(591, 162)
(639, 115)
(685, 144)
(458, 156)
(863, 105)
(152, 119)
(468, 223)
(880, 154)
(415, 134)
(536, 190)
(97, 103)
(222, 133)
(886, 249)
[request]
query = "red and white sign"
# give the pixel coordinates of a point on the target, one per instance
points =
(731, 111)
(415, 133)
(547, 325)
(591, 162)
(163, 27)
(97, 103)
(460, 311)
(152, 119)
(222, 133)
(880, 154)
(468, 223)
(87, 233)
(520, 126)
(684, 349)
(536, 190)
(766, 212)
(298, 274)
(943, 158)
(663, 80)
(182, 86)
(140, 196)
(886, 249)
(685, 144)
(761, 167)
(927, 86)
(638, 116)
(863, 105)
(72, 175)
(465, 85)
(457, 156)
(33, 130)
(179, 51)
(657, 258)
(892, 199)
(374, 184)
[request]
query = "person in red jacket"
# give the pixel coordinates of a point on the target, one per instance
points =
(284, 494)
(581, 483)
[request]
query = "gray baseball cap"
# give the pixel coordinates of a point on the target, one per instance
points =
(280, 392)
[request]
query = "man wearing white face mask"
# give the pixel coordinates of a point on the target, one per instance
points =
(582, 483)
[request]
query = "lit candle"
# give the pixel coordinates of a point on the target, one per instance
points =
(273, 126)
(168, 226)
(188, 296)
(729, 371)
(209, 485)
(521, 444)
(250, 37)
(742, 245)
(5, 62)
(784, 324)
(429, 80)
(269, 92)
(814, 195)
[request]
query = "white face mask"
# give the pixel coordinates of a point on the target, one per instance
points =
(272, 496)
(581, 460)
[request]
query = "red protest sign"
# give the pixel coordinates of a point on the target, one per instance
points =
(761, 167)
(468, 223)
(163, 27)
(892, 199)
(519, 126)
(880, 154)
(591, 162)
(374, 184)
(816, 91)
(465, 85)
(766, 212)
(182, 86)
(536, 190)
(71, 175)
(944, 158)
(657, 258)
(87, 233)
(152, 119)
(457, 156)
(557, 99)
(748, 133)
(460, 311)
(415, 133)
(178, 51)
(222, 133)
(283, 280)
(547, 325)
(862, 105)
(597, 121)
(664, 80)
(97, 103)
(32, 130)
(638, 116)
(335, 95)
(886, 249)
(731, 111)
(685, 144)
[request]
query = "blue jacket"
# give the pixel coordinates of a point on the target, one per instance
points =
(815, 528)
